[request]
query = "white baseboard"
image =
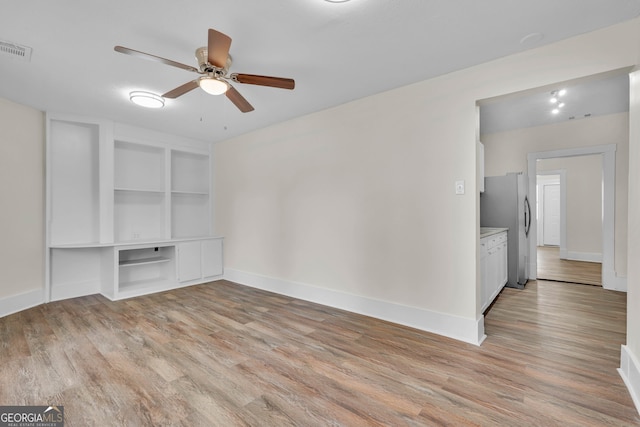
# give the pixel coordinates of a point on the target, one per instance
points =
(584, 256)
(16, 303)
(613, 282)
(630, 373)
(459, 328)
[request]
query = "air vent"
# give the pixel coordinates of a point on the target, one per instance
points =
(15, 51)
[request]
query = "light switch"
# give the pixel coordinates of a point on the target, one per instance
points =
(459, 187)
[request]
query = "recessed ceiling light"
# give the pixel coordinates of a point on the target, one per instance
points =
(146, 99)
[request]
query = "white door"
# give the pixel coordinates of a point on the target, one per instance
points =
(551, 215)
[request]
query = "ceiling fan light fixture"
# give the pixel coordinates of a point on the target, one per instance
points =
(213, 86)
(146, 99)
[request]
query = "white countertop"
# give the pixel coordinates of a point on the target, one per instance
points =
(159, 242)
(490, 231)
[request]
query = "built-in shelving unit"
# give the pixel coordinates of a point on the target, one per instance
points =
(121, 202)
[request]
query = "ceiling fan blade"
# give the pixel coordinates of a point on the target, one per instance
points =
(150, 57)
(181, 90)
(218, 48)
(252, 79)
(239, 101)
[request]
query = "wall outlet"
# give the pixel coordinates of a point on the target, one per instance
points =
(460, 187)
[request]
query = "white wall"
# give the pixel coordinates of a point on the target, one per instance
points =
(359, 199)
(22, 197)
(507, 152)
(630, 358)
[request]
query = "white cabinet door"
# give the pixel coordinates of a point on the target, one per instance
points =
(211, 257)
(484, 273)
(493, 267)
(504, 265)
(189, 261)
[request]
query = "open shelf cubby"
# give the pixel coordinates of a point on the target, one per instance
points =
(73, 176)
(138, 166)
(143, 268)
(139, 216)
(190, 215)
(189, 172)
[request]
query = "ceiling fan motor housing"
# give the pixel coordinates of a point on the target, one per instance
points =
(202, 55)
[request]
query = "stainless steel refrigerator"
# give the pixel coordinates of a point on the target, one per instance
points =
(505, 203)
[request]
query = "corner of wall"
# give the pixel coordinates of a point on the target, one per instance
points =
(630, 373)
(15, 303)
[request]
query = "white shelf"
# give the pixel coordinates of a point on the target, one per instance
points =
(139, 190)
(140, 287)
(195, 193)
(134, 262)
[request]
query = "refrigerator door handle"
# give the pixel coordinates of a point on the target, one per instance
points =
(527, 216)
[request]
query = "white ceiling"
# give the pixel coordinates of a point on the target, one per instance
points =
(336, 52)
(588, 97)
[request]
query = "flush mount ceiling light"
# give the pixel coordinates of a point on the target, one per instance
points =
(146, 99)
(213, 85)
(336, 1)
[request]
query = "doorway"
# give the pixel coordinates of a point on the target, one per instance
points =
(606, 156)
(569, 235)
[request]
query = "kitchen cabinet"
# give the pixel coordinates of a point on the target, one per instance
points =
(493, 265)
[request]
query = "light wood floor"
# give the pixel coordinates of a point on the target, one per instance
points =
(222, 354)
(551, 267)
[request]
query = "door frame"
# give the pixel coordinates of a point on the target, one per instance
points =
(609, 278)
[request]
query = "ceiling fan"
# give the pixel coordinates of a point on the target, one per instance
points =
(214, 62)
